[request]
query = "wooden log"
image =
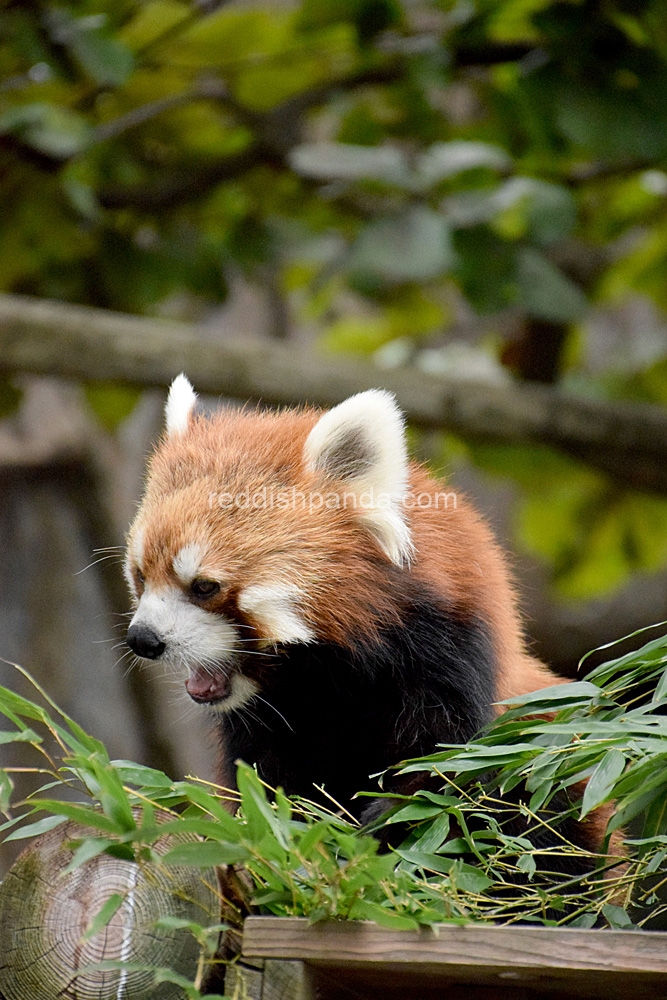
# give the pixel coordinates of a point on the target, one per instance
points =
(628, 441)
(269, 980)
(46, 912)
(360, 959)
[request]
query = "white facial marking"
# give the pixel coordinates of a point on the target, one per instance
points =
(193, 637)
(134, 557)
(180, 404)
(187, 563)
(275, 606)
(243, 691)
(138, 547)
(361, 442)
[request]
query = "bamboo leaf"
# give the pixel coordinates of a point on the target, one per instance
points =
(207, 854)
(35, 829)
(101, 919)
(601, 783)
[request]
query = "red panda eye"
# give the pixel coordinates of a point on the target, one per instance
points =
(201, 588)
(139, 575)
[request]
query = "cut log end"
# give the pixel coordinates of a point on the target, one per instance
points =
(47, 913)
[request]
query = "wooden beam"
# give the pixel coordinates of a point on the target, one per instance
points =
(553, 962)
(627, 441)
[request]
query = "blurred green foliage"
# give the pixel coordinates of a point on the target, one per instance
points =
(400, 157)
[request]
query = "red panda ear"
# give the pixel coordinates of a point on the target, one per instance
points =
(361, 443)
(180, 404)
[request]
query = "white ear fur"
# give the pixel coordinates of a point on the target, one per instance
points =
(180, 404)
(362, 442)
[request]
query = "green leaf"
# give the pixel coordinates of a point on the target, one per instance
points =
(230, 827)
(656, 861)
(602, 780)
(105, 59)
(412, 245)
(486, 268)
(206, 854)
(22, 736)
(111, 404)
(512, 21)
(49, 128)
(182, 825)
(433, 835)
(415, 811)
(103, 781)
(12, 704)
(91, 848)
(527, 864)
(661, 690)
(545, 292)
(258, 812)
(101, 919)
(358, 334)
(312, 838)
(469, 879)
(152, 19)
(442, 160)
(344, 161)
(542, 211)
(364, 909)
(611, 123)
(140, 775)
(10, 397)
(84, 815)
(617, 917)
(519, 207)
(37, 828)
(427, 860)
(449, 159)
(574, 693)
(585, 920)
(206, 936)
(6, 790)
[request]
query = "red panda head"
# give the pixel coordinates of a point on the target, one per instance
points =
(260, 530)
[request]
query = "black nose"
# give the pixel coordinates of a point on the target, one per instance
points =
(143, 641)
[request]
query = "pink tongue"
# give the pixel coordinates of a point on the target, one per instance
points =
(204, 686)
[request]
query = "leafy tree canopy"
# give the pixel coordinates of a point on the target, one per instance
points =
(385, 166)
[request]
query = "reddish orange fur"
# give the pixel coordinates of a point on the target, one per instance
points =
(328, 553)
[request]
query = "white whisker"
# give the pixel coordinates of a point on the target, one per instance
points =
(95, 562)
(259, 698)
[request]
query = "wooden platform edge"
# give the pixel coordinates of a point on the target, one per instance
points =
(490, 948)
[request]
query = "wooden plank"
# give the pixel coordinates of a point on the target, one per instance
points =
(286, 981)
(517, 961)
(268, 980)
(244, 981)
(503, 948)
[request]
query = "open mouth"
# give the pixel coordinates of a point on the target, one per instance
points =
(208, 686)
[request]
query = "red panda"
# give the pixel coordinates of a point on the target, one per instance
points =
(320, 592)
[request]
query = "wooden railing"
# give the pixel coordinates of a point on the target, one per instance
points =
(286, 958)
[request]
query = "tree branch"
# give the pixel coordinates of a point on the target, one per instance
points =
(206, 89)
(184, 185)
(627, 441)
(276, 132)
